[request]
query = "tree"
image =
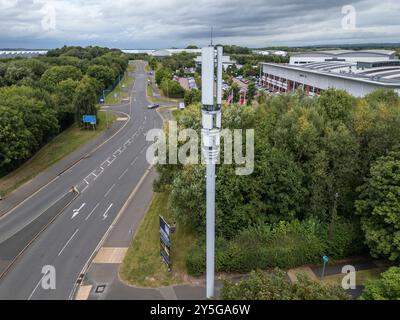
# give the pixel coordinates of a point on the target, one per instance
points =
(105, 75)
(172, 89)
(262, 97)
(55, 75)
(153, 63)
(386, 288)
(251, 93)
(39, 119)
(161, 74)
(276, 286)
(85, 98)
(192, 96)
(15, 139)
(63, 100)
(379, 207)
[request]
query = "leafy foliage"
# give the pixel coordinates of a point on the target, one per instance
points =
(275, 285)
(46, 94)
(379, 207)
(386, 288)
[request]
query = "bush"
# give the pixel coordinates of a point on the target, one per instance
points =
(286, 245)
(345, 241)
(386, 288)
(276, 286)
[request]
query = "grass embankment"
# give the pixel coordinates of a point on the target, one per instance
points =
(121, 91)
(143, 265)
(62, 145)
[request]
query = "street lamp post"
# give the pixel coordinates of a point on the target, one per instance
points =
(104, 101)
(211, 118)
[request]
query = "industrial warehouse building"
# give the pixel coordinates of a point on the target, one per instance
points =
(357, 72)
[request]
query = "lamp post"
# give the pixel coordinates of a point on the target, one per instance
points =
(211, 118)
(104, 101)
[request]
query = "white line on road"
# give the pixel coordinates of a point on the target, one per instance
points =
(108, 192)
(123, 174)
(134, 161)
(85, 188)
(70, 239)
(37, 286)
(94, 209)
(105, 215)
(143, 150)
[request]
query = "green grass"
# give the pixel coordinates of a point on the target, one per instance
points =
(143, 265)
(62, 145)
(161, 100)
(362, 276)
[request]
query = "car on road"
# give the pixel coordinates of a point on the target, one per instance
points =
(153, 106)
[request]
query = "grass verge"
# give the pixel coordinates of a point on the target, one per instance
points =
(121, 91)
(62, 145)
(160, 100)
(143, 265)
(362, 277)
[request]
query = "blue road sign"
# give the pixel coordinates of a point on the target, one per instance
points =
(326, 259)
(90, 119)
(165, 241)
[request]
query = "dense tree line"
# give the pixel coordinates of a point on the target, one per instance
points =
(330, 159)
(41, 96)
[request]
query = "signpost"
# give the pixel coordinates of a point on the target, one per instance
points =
(165, 242)
(326, 260)
(92, 120)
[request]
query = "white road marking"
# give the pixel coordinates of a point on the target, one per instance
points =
(123, 174)
(85, 188)
(108, 192)
(105, 215)
(37, 286)
(94, 209)
(77, 211)
(143, 150)
(134, 161)
(68, 242)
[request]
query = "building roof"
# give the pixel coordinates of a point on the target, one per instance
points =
(345, 53)
(383, 76)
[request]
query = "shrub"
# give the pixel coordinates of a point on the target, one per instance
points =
(386, 288)
(285, 245)
(276, 286)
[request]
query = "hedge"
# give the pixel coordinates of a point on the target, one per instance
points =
(285, 245)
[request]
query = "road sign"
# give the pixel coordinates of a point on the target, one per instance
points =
(165, 241)
(326, 259)
(90, 119)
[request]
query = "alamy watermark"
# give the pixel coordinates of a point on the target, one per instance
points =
(349, 21)
(183, 146)
(349, 282)
(49, 278)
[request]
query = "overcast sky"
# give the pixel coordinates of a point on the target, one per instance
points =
(178, 23)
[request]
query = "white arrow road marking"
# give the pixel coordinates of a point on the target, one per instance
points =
(105, 215)
(77, 211)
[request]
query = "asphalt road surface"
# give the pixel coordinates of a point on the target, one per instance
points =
(60, 229)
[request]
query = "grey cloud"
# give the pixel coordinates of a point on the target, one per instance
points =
(161, 23)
